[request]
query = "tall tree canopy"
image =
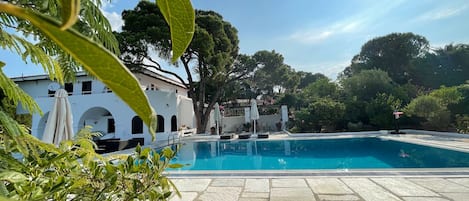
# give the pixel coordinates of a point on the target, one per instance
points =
(273, 75)
(367, 84)
(448, 66)
(392, 53)
(210, 59)
(307, 78)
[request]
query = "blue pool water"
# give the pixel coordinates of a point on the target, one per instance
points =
(349, 153)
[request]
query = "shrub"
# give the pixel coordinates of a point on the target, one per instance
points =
(380, 110)
(33, 170)
(432, 110)
(355, 126)
(462, 123)
(75, 170)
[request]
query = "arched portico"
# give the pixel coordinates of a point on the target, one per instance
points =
(100, 119)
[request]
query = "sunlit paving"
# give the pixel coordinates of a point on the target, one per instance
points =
(206, 100)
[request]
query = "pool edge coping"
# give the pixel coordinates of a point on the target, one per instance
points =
(395, 172)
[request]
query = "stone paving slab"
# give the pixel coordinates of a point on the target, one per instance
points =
(402, 187)
(227, 182)
(424, 199)
(328, 186)
(457, 196)
(290, 194)
(185, 196)
(191, 184)
(333, 189)
(253, 199)
(338, 197)
(462, 181)
(217, 196)
(440, 185)
(232, 190)
(288, 183)
(220, 194)
(257, 185)
(369, 190)
(254, 195)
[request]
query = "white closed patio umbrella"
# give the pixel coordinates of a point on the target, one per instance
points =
(217, 117)
(59, 126)
(254, 113)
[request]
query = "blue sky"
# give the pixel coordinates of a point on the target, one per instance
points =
(319, 36)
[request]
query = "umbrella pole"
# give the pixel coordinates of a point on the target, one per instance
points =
(254, 127)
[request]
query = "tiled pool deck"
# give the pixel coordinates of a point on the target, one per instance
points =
(323, 188)
(411, 184)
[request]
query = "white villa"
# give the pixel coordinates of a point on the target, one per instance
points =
(94, 104)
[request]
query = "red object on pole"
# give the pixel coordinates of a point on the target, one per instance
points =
(397, 114)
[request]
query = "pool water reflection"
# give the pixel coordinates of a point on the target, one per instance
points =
(348, 153)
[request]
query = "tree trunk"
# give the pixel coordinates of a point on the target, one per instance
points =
(202, 114)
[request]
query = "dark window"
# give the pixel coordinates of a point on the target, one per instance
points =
(86, 87)
(111, 126)
(160, 126)
(137, 125)
(50, 93)
(152, 87)
(69, 88)
(174, 123)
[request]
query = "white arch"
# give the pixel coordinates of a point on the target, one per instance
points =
(97, 118)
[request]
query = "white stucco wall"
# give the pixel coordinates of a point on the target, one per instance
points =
(186, 115)
(95, 109)
(266, 123)
(161, 85)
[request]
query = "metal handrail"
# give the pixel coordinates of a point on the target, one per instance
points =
(174, 138)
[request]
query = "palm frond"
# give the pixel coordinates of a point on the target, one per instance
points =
(101, 28)
(36, 53)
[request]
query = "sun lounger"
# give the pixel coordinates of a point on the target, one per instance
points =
(263, 135)
(244, 136)
(226, 136)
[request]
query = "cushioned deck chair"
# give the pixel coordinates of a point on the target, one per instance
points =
(226, 136)
(244, 136)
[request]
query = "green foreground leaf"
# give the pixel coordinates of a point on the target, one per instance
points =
(70, 11)
(181, 19)
(98, 61)
(12, 177)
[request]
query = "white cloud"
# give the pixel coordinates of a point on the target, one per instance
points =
(354, 23)
(332, 69)
(323, 33)
(351, 24)
(114, 19)
(312, 36)
(442, 13)
(443, 43)
(108, 4)
(349, 27)
(329, 69)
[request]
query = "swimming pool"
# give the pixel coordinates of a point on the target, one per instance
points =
(346, 153)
